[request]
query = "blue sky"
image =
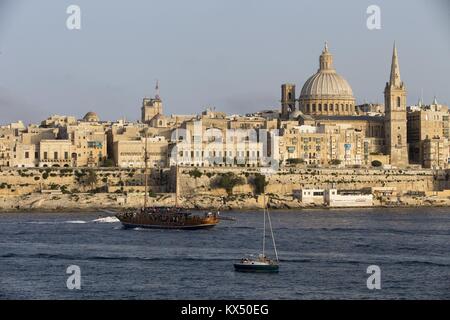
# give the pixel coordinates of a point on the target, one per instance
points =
(231, 54)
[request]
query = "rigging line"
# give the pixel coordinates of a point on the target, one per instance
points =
(271, 231)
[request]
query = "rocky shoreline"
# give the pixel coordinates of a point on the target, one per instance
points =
(87, 202)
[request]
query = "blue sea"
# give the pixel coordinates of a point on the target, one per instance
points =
(324, 254)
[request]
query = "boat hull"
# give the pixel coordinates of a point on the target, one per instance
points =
(166, 218)
(159, 226)
(244, 267)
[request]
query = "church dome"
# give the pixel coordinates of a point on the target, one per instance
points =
(326, 84)
(326, 92)
(91, 117)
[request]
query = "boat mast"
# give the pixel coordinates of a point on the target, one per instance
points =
(264, 230)
(271, 231)
(176, 184)
(145, 171)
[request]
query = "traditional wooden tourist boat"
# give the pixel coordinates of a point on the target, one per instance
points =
(165, 217)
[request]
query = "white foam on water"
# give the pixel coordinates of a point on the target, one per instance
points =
(75, 221)
(106, 220)
(42, 222)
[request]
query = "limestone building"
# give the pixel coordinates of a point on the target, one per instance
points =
(327, 98)
(428, 131)
(131, 153)
(322, 145)
(435, 153)
(56, 153)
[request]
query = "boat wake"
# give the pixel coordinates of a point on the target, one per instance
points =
(106, 220)
(110, 219)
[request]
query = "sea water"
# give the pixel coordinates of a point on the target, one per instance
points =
(324, 254)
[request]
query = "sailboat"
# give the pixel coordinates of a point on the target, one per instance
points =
(262, 263)
(165, 217)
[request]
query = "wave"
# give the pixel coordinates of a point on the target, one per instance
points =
(106, 220)
(57, 222)
(238, 227)
(199, 259)
(428, 263)
(110, 219)
(363, 245)
(119, 258)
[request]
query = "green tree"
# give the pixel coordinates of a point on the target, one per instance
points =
(295, 161)
(195, 173)
(228, 181)
(376, 163)
(259, 182)
(336, 162)
(108, 163)
(90, 179)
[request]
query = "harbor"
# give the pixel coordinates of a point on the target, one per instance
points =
(323, 254)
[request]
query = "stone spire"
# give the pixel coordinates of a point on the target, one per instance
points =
(326, 59)
(435, 101)
(157, 90)
(395, 70)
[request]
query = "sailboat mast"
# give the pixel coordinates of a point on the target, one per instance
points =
(145, 173)
(273, 238)
(176, 184)
(264, 230)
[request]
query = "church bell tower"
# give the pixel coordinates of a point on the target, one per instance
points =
(395, 116)
(151, 106)
(287, 99)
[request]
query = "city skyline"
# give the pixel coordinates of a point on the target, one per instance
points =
(46, 69)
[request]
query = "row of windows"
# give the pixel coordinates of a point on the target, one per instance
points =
(219, 139)
(332, 107)
(307, 140)
(27, 155)
(243, 163)
(55, 155)
(219, 153)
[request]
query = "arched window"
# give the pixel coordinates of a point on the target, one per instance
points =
(314, 107)
(399, 139)
(398, 102)
(331, 107)
(320, 107)
(325, 107)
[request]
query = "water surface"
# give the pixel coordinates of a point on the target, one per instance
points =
(324, 255)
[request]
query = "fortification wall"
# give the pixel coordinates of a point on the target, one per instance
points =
(286, 181)
(16, 181)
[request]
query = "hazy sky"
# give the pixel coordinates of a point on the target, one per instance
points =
(231, 54)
